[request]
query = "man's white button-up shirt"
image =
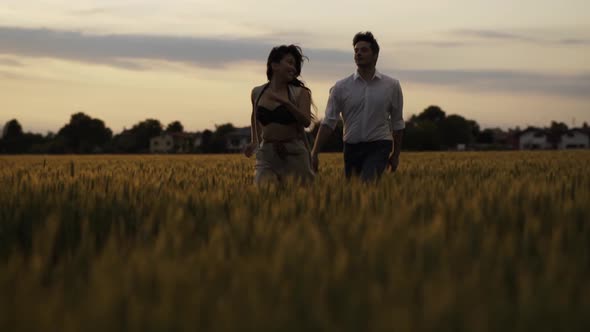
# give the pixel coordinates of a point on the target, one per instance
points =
(370, 110)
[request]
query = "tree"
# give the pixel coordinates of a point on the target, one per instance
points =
(84, 134)
(433, 130)
(422, 131)
(175, 127)
(216, 142)
(205, 140)
(558, 126)
(12, 129)
(432, 113)
(455, 130)
(137, 139)
(421, 135)
(13, 138)
(475, 130)
(556, 130)
(35, 143)
(486, 137)
(124, 142)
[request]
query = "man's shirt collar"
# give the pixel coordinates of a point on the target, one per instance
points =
(358, 76)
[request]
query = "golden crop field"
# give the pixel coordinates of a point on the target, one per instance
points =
(496, 241)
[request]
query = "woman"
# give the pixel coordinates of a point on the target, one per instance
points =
(281, 109)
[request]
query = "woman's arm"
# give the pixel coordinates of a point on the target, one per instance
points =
(302, 111)
(255, 130)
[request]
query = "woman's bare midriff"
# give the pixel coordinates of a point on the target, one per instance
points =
(279, 132)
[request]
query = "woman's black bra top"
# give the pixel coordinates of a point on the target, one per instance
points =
(279, 115)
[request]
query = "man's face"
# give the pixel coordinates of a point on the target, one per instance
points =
(363, 54)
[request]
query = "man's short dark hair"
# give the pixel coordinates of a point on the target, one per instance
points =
(366, 36)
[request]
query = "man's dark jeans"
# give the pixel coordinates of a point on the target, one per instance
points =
(366, 159)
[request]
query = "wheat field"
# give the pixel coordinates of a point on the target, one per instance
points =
(471, 241)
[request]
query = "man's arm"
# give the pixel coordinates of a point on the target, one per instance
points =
(322, 137)
(393, 161)
(397, 142)
(397, 129)
(326, 128)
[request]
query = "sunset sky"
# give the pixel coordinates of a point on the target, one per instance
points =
(501, 63)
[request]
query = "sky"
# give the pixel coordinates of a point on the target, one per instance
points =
(501, 63)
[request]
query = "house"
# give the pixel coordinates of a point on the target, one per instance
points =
(574, 139)
(237, 140)
(172, 143)
(198, 140)
(533, 139)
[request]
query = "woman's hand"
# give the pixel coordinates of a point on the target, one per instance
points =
(277, 98)
(250, 149)
(315, 161)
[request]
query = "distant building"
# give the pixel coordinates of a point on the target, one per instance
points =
(198, 140)
(574, 139)
(172, 143)
(533, 139)
(237, 140)
(539, 139)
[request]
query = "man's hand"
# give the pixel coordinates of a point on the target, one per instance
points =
(249, 149)
(393, 162)
(315, 162)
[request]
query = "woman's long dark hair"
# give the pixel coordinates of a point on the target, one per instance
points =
(277, 54)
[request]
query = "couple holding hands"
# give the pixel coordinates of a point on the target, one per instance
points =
(369, 103)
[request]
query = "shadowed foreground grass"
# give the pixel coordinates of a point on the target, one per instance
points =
(452, 242)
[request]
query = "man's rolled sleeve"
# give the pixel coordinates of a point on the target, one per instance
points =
(397, 119)
(332, 110)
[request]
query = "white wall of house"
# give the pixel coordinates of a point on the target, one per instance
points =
(532, 140)
(161, 144)
(236, 143)
(198, 141)
(573, 140)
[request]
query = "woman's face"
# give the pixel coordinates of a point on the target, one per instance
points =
(286, 68)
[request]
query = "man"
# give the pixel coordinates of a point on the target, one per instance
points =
(371, 105)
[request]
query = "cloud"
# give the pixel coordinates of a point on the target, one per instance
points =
(476, 81)
(121, 50)
(114, 10)
(505, 81)
(509, 36)
(93, 11)
(437, 43)
(478, 37)
(8, 75)
(10, 62)
(492, 34)
(128, 51)
(573, 41)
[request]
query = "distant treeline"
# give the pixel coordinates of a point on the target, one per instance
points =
(432, 129)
